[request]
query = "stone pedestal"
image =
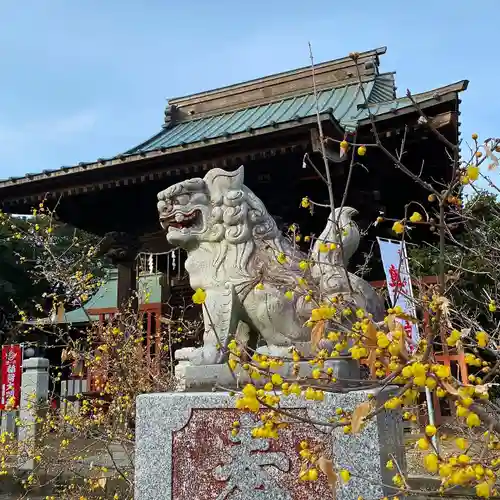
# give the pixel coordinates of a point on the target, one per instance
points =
(8, 421)
(207, 377)
(34, 390)
(185, 450)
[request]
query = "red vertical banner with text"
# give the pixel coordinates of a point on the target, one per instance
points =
(11, 369)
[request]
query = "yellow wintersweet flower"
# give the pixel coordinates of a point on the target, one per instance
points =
(305, 203)
(199, 296)
(382, 340)
(416, 217)
(473, 420)
(289, 294)
(345, 475)
(323, 247)
(443, 371)
(397, 480)
(423, 444)
(362, 150)
(393, 403)
(473, 172)
(259, 286)
(303, 265)
(445, 470)
(430, 430)
(492, 306)
(470, 359)
(483, 490)
(453, 338)
(482, 339)
(281, 258)
(431, 462)
(313, 474)
(398, 227)
(333, 336)
(322, 313)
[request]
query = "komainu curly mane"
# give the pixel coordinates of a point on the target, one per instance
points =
(233, 243)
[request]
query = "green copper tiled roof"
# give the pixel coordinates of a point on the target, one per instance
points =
(106, 297)
(342, 102)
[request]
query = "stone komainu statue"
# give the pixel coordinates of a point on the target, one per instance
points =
(232, 245)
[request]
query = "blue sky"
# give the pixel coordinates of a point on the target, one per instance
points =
(82, 79)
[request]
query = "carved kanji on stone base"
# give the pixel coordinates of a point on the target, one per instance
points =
(244, 474)
(185, 450)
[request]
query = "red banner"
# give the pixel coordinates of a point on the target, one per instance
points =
(11, 372)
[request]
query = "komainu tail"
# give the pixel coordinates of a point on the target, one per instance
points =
(339, 226)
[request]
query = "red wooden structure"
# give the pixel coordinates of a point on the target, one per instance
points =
(454, 359)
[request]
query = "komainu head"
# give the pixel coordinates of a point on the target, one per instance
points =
(216, 208)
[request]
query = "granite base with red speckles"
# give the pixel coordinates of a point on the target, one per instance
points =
(185, 450)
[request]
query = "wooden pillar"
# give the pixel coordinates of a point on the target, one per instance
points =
(165, 292)
(122, 249)
(127, 284)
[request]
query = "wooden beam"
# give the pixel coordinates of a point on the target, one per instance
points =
(171, 154)
(443, 119)
(331, 154)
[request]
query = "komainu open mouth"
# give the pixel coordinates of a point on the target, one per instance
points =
(180, 220)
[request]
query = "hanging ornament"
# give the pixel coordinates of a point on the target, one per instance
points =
(150, 263)
(173, 260)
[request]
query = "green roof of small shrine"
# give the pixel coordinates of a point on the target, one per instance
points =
(106, 297)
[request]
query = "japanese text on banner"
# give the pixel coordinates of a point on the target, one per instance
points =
(10, 376)
(397, 274)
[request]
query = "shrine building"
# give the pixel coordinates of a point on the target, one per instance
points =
(268, 125)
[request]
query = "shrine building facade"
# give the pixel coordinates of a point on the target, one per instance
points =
(268, 125)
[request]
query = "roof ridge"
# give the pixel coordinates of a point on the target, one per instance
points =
(267, 101)
(372, 52)
(458, 86)
(279, 99)
(245, 94)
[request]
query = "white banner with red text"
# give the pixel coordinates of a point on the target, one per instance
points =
(397, 275)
